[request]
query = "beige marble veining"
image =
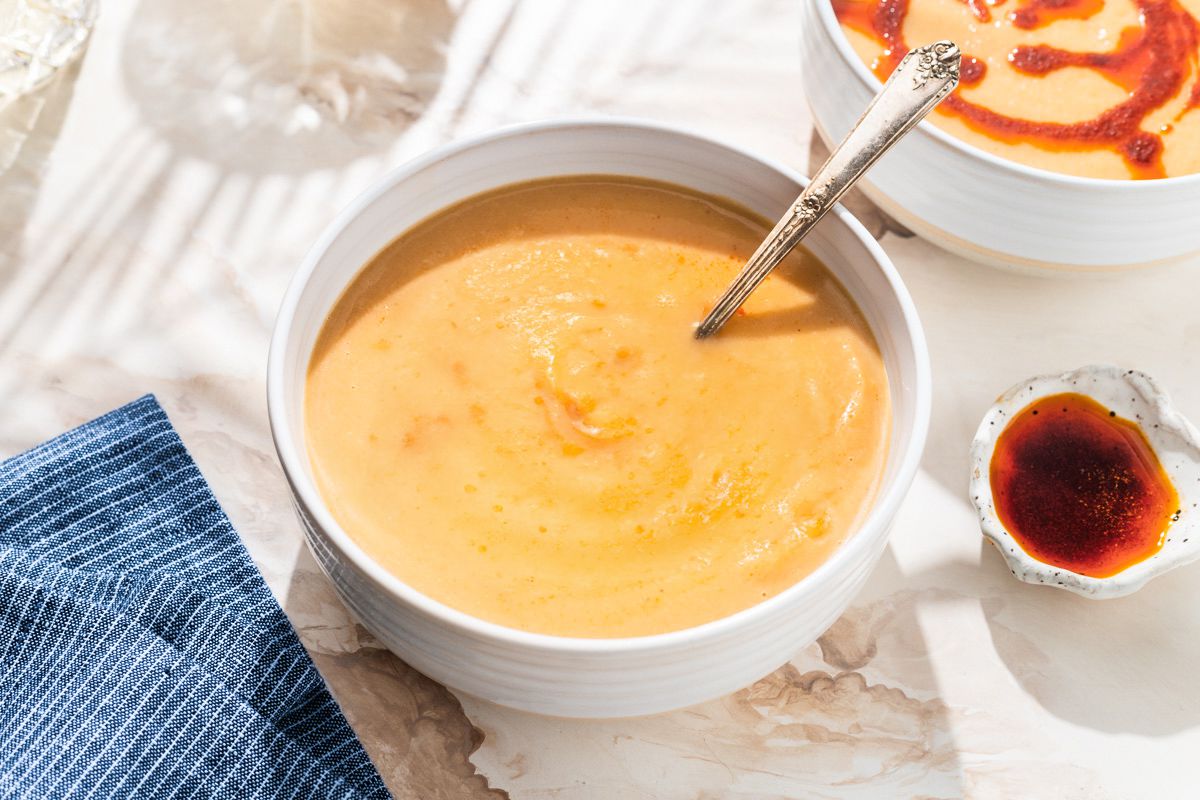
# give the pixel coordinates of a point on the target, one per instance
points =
(156, 199)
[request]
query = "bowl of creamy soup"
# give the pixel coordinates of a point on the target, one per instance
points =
(1072, 142)
(524, 474)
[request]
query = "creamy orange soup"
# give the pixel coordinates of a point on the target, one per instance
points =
(507, 409)
(1098, 88)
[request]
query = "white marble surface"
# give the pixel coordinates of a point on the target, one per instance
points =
(160, 195)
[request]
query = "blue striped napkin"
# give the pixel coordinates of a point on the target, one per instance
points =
(141, 653)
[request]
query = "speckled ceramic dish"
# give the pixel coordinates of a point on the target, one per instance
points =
(575, 676)
(1130, 395)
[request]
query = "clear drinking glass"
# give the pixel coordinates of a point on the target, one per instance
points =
(37, 38)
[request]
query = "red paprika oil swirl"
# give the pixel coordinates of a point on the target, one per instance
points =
(1151, 63)
(1080, 488)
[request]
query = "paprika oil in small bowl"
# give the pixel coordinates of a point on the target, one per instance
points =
(1089, 481)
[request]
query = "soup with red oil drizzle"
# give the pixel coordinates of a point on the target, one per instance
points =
(1100, 88)
(1080, 488)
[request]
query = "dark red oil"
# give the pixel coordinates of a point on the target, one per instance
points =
(1080, 488)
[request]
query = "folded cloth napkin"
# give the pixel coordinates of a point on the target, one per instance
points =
(141, 653)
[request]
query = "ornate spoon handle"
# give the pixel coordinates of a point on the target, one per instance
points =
(925, 76)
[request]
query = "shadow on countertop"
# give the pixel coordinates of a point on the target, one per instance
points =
(29, 129)
(1124, 665)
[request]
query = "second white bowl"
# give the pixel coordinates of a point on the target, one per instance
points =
(988, 208)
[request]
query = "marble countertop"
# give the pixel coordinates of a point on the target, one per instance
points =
(157, 198)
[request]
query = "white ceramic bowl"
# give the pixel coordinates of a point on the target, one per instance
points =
(988, 208)
(591, 677)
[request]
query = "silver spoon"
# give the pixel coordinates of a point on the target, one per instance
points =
(923, 78)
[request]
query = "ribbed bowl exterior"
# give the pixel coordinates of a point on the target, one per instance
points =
(991, 209)
(608, 684)
(597, 677)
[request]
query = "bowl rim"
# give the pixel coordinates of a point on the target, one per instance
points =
(829, 19)
(875, 525)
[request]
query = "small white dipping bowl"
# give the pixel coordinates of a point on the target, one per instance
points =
(988, 208)
(1132, 395)
(577, 677)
